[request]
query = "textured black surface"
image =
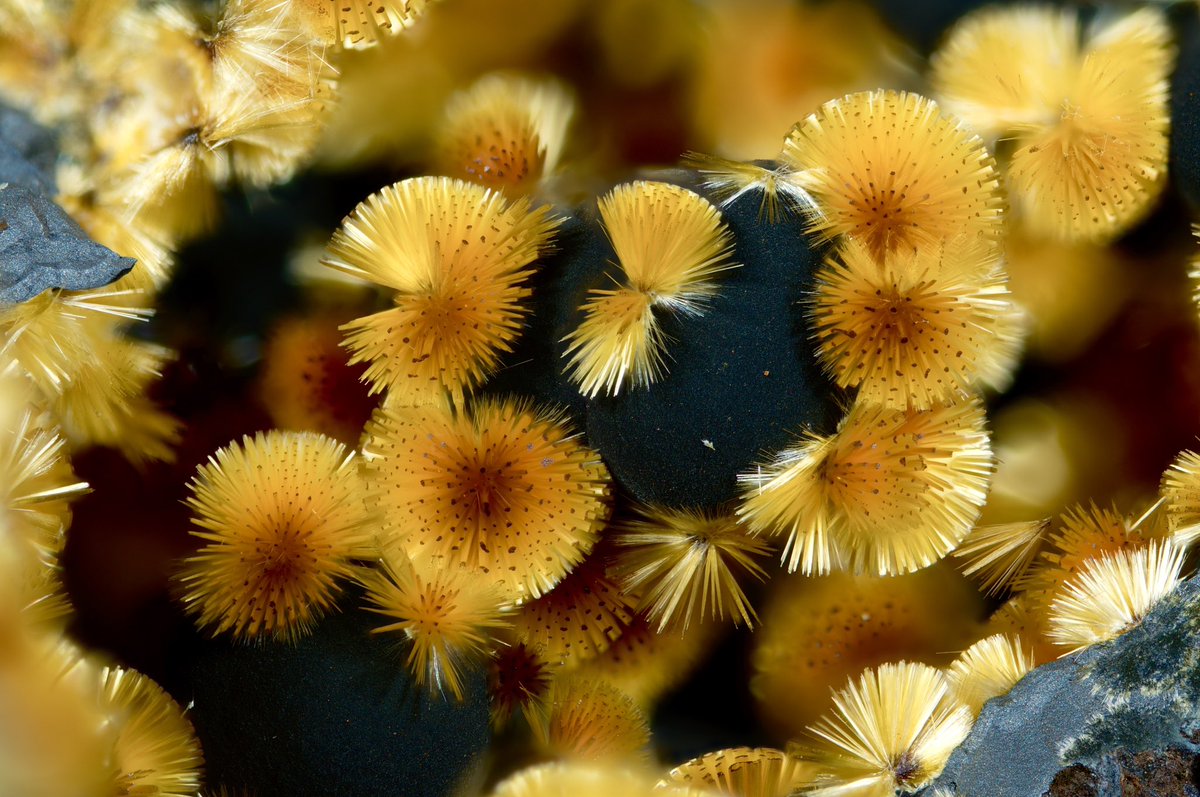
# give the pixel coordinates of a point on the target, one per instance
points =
(923, 24)
(1185, 111)
(535, 367)
(1138, 693)
(335, 715)
(582, 259)
(741, 380)
(40, 245)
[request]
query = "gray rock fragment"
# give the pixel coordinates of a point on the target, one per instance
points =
(28, 151)
(1138, 693)
(41, 246)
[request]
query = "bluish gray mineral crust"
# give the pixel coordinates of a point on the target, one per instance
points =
(1138, 693)
(41, 246)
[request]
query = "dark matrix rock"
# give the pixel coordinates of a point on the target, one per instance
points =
(535, 367)
(1185, 112)
(333, 715)
(741, 380)
(1095, 722)
(924, 24)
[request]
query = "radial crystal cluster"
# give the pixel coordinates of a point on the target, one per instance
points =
(306, 384)
(1114, 592)
(891, 170)
(156, 751)
(1000, 554)
(670, 244)
(284, 519)
(743, 772)
(357, 24)
(1017, 617)
(817, 632)
(593, 719)
(891, 491)
(502, 489)
(456, 255)
(1003, 68)
(729, 180)
(1194, 270)
(1089, 120)
(988, 669)
(271, 89)
(518, 678)
(686, 564)
(36, 484)
(890, 730)
(448, 616)
(454, 366)
(107, 404)
(917, 327)
(645, 664)
(106, 225)
(58, 737)
(506, 132)
(581, 779)
(1085, 534)
(1181, 490)
(193, 99)
(579, 619)
(54, 335)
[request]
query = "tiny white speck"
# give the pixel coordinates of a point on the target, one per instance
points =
(708, 444)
